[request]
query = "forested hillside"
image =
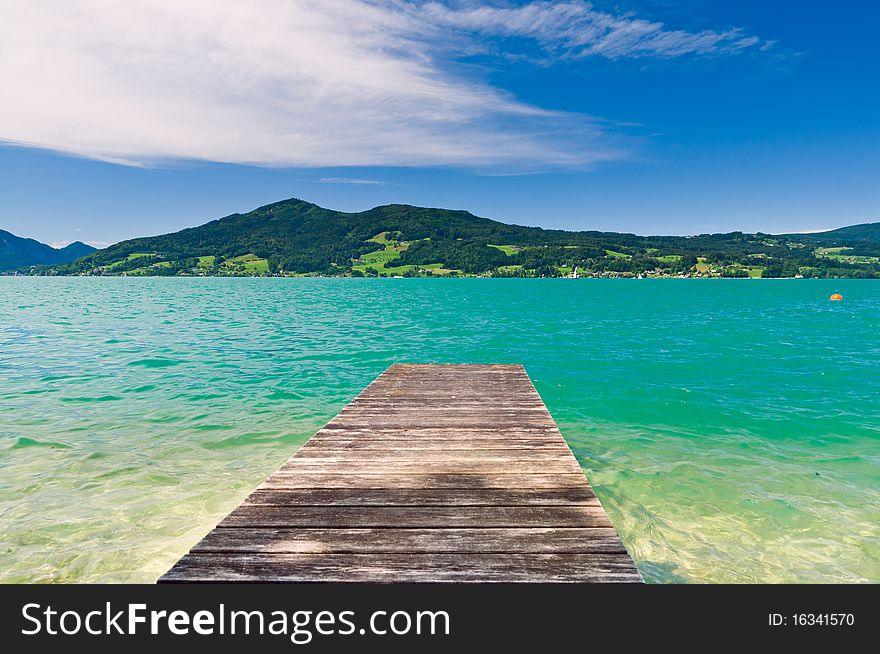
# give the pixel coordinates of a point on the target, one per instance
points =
(294, 237)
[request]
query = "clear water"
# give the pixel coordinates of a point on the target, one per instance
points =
(731, 428)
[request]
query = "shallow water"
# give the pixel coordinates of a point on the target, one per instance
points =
(730, 427)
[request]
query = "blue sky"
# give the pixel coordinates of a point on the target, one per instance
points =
(646, 116)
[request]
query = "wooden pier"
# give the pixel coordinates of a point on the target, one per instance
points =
(434, 473)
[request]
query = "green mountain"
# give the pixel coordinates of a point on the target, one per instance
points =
(17, 252)
(863, 232)
(297, 237)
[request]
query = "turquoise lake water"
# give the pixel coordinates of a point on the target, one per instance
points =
(731, 428)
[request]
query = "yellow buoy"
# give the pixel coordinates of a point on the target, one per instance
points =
(837, 297)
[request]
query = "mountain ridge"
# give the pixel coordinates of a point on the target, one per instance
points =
(858, 232)
(19, 252)
(294, 236)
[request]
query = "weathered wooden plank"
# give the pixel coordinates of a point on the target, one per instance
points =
(422, 497)
(392, 419)
(416, 480)
(497, 458)
(434, 400)
(461, 386)
(447, 425)
(392, 416)
(487, 408)
(485, 467)
(368, 427)
(432, 444)
(447, 434)
(377, 541)
(432, 454)
(481, 399)
(426, 381)
(409, 430)
(573, 515)
(404, 567)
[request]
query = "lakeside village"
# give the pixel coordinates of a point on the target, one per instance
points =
(386, 255)
(698, 272)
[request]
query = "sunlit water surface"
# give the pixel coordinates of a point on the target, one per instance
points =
(731, 428)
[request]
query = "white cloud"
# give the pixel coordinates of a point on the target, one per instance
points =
(351, 180)
(577, 30)
(303, 82)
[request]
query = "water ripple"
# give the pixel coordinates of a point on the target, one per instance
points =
(731, 429)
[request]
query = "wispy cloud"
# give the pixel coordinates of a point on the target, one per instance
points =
(351, 180)
(306, 82)
(578, 30)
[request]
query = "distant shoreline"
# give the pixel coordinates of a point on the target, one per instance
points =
(297, 238)
(436, 277)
